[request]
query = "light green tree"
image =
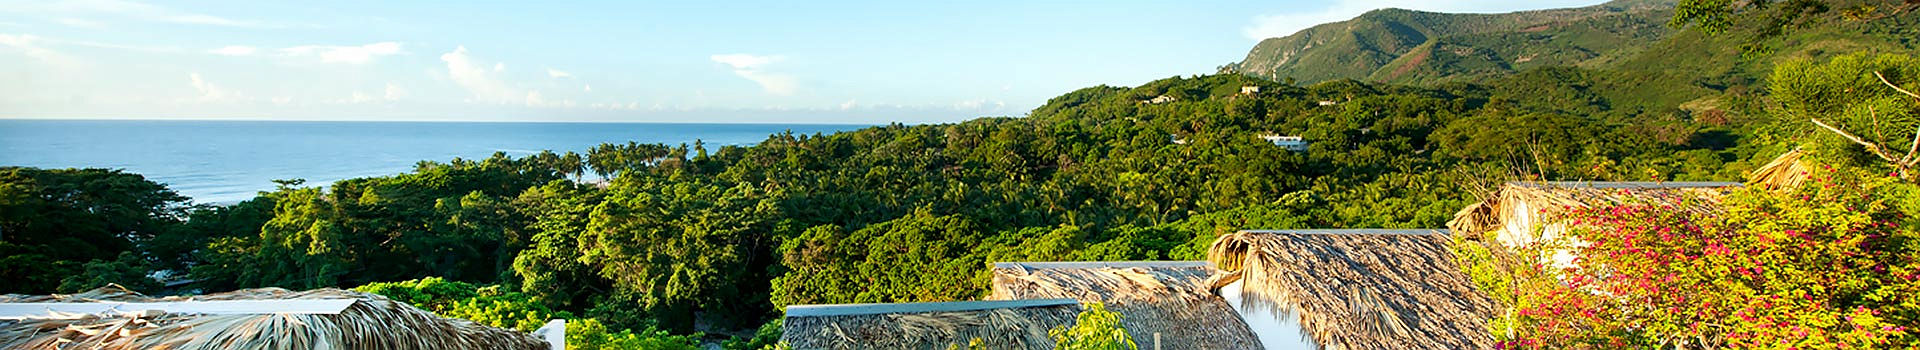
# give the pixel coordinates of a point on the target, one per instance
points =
(1095, 329)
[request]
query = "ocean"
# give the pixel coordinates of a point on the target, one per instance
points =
(230, 161)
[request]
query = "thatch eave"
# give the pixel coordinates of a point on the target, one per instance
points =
(1170, 299)
(1360, 289)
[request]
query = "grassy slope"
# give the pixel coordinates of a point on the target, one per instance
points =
(1635, 56)
(1363, 46)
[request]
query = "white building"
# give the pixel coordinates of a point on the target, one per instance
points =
(1291, 143)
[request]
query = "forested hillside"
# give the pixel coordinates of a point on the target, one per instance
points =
(688, 238)
(1630, 37)
(1418, 46)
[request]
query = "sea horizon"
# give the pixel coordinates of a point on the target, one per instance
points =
(228, 161)
(389, 120)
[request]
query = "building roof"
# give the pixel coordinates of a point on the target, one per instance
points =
(1015, 324)
(1169, 298)
(1624, 184)
(815, 310)
(311, 320)
(1359, 289)
(1552, 197)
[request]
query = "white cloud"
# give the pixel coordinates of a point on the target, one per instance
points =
(31, 45)
(394, 92)
(235, 50)
(980, 105)
(360, 97)
(133, 10)
(850, 104)
(80, 23)
(344, 54)
(558, 74)
(472, 75)
(210, 92)
(745, 61)
(1288, 23)
(534, 99)
(586, 87)
(752, 67)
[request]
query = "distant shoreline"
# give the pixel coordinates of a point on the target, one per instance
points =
(4, 119)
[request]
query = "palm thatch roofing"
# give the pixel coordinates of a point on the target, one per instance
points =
(1165, 298)
(370, 322)
(1526, 212)
(1358, 289)
(1787, 171)
(1015, 324)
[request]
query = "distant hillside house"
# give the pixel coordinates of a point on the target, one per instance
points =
(1519, 214)
(1012, 324)
(1291, 143)
(114, 318)
(1163, 304)
(1249, 89)
(1351, 289)
(1161, 99)
(1328, 103)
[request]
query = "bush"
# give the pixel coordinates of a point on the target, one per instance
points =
(492, 306)
(1095, 329)
(589, 334)
(1834, 264)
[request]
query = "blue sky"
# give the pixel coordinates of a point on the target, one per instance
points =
(772, 62)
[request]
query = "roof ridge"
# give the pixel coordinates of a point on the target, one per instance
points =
(1625, 184)
(1098, 264)
(815, 310)
(1355, 231)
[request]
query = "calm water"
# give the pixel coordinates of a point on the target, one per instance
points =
(228, 161)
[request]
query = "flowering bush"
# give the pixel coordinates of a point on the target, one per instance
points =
(1832, 265)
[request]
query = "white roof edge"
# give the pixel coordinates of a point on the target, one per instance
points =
(1356, 231)
(816, 310)
(1096, 264)
(16, 311)
(1627, 184)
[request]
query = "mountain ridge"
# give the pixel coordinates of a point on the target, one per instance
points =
(1364, 47)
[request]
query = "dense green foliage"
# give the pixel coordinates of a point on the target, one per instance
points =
(493, 306)
(56, 224)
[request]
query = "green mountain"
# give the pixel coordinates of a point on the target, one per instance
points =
(1399, 45)
(1625, 36)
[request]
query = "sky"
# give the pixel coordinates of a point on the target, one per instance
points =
(836, 62)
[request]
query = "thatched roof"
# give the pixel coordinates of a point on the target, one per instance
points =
(369, 322)
(1517, 208)
(1015, 324)
(1785, 172)
(1169, 298)
(1359, 289)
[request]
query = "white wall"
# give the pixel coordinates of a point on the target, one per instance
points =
(1520, 231)
(1274, 332)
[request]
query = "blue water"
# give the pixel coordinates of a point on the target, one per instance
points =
(229, 161)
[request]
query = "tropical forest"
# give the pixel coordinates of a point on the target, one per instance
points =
(1404, 117)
